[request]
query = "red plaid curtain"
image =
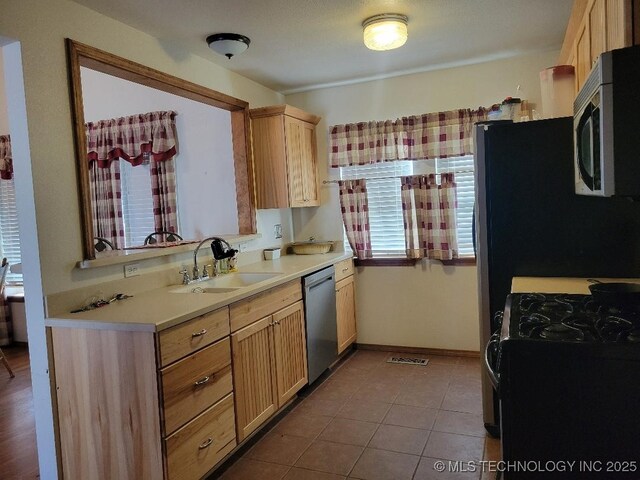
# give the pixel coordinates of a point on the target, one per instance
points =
(106, 203)
(135, 138)
(419, 137)
(355, 215)
(6, 162)
(163, 190)
(429, 212)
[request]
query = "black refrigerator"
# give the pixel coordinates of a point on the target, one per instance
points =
(529, 221)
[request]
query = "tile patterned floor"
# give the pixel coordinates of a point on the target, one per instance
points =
(372, 420)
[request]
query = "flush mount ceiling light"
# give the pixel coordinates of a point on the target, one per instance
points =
(386, 31)
(228, 44)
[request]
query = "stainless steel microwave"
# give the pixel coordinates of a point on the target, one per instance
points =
(607, 127)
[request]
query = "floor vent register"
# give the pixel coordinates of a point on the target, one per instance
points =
(408, 360)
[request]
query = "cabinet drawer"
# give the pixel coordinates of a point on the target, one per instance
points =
(344, 269)
(194, 383)
(194, 449)
(186, 338)
(254, 308)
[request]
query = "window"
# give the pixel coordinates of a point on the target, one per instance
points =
(137, 202)
(9, 235)
(385, 204)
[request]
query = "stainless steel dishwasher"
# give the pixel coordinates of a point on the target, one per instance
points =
(320, 315)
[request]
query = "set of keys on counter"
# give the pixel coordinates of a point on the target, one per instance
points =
(101, 303)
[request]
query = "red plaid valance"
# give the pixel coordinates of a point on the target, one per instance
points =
(419, 137)
(134, 138)
(6, 163)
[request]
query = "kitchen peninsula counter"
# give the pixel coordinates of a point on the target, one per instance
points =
(158, 309)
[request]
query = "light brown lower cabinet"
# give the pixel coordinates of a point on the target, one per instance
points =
(107, 404)
(269, 366)
(346, 312)
(116, 410)
(290, 348)
(172, 404)
(254, 373)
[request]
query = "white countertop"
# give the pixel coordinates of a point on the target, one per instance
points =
(159, 309)
(558, 284)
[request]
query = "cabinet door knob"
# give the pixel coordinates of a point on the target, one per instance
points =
(202, 381)
(199, 334)
(206, 443)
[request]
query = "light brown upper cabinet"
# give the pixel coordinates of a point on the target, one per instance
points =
(285, 157)
(597, 26)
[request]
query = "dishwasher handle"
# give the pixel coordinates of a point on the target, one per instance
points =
(317, 278)
(318, 282)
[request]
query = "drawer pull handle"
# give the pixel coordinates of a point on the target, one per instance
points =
(199, 334)
(206, 443)
(202, 381)
(346, 269)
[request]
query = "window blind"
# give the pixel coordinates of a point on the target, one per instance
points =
(385, 204)
(463, 169)
(9, 234)
(137, 202)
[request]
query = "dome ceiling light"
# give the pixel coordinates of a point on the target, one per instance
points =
(386, 31)
(228, 44)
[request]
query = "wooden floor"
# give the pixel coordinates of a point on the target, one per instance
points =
(18, 455)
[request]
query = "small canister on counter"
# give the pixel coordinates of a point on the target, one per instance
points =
(271, 253)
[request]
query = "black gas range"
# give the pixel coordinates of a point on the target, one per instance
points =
(571, 318)
(567, 370)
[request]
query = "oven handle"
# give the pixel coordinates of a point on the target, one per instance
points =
(493, 375)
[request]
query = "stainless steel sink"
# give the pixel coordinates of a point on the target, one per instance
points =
(226, 283)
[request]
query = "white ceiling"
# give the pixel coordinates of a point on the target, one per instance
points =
(298, 45)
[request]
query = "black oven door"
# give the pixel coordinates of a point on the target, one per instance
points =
(588, 146)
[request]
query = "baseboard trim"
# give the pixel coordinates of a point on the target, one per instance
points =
(418, 350)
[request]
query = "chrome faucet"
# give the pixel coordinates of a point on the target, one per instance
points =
(186, 280)
(196, 270)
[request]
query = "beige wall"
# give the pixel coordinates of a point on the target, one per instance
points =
(428, 305)
(41, 27)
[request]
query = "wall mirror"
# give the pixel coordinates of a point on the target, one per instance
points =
(156, 153)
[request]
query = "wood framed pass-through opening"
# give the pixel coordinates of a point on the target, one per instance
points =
(81, 55)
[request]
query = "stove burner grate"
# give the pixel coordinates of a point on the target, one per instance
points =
(614, 329)
(561, 331)
(533, 323)
(529, 299)
(574, 318)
